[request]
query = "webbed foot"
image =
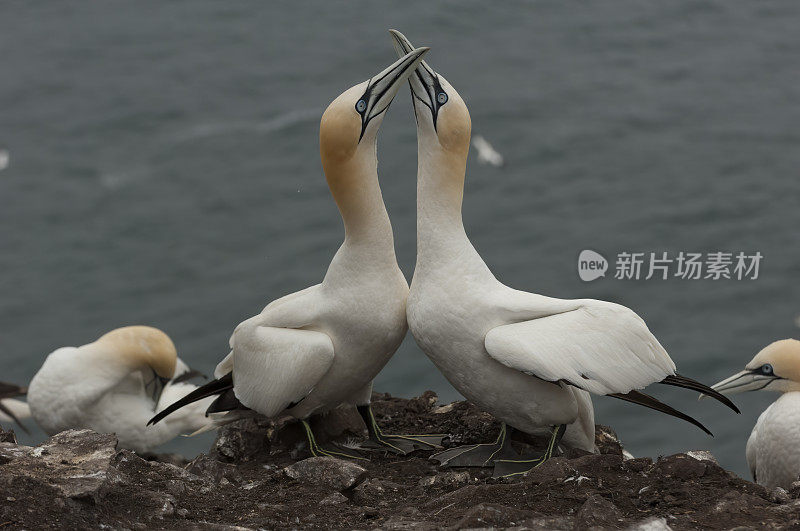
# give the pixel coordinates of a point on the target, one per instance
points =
(478, 455)
(398, 444)
(516, 466)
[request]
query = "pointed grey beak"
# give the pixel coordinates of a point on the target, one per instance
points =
(742, 382)
(425, 86)
(383, 87)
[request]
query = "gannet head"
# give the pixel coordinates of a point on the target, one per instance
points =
(142, 347)
(775, 368)
(441, 114)
(350, 124)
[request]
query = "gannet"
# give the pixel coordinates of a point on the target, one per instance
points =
(486, 152)
(773, 449)
(12, 410)
(114, 385)
(527, 359)
(320, 348)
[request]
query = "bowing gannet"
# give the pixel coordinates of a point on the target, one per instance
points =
(319, 348)
(773, 449)
(114, 385)
(11, 409)
(527, 359)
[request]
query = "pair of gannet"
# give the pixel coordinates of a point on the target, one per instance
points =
(527, 359)
(114, 385)
(773, 449)
(320, 348)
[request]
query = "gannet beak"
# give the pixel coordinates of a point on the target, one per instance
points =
(382, 87)
(741, 382)
(425, 85)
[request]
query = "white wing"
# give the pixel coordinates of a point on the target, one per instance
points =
(600, 347)
(20, 409)
(274, 367)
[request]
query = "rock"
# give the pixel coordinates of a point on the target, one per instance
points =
(491, 515)
(548, 523)
(241, 440)
(172, 459)
(333, 499)
(794, 489)
(446, 479)
(681, 466)
(637, 464)
(650, 524)
(702, 455)
(7, 436)
(596, 462)
(213, 470)
(398, 523)
(75, 462)
(78, 481)
(735, 502)
(553, 470)
(626, 455)
(779, 495)
(422, 404)
(597, 511)
(606, 440)
(336, 474)
(374, 490)
(441, 410)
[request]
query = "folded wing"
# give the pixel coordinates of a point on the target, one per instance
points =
(275, 367)
(603, 348)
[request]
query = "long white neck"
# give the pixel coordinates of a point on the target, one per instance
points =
(368, 231)
(440, 191)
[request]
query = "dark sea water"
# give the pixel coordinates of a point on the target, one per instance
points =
(164, 170)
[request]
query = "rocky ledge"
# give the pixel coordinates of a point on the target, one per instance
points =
(257, 476)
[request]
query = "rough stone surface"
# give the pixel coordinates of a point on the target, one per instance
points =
(7, 436)
(597, 511)
(78, 480)
(336, 474)
(74, 463)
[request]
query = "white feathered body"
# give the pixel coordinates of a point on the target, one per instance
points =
(320, 348)
(82, 387)
(773, 450)
(515, 354)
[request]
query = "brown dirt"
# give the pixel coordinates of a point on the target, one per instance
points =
(242, 482)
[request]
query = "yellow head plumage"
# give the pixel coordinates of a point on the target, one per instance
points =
(142, 346)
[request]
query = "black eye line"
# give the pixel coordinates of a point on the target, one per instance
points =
(378, 96)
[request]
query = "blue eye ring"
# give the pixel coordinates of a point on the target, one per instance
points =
(441, 98)
(361, 105)
(767, 369)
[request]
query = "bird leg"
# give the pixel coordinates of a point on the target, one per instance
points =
(319, 451)
(481, 455)
(398, 444)
(513, 467)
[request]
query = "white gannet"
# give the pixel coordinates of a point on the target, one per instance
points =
(114, 385)
(773, 449)
(11, 409)
(320, 348)
(486, 152)
(527, 359)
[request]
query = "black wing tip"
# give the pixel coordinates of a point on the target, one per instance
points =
(642, 399)
(685, 382)
(212, 388)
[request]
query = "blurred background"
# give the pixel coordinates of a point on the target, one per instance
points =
(160, 166)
